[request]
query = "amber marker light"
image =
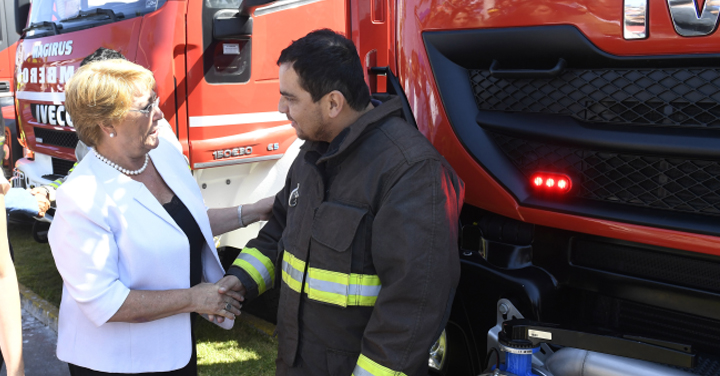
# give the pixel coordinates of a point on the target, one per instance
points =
(550, 182)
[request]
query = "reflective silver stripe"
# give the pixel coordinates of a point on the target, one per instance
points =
(294, 273)
(259, 266)
(364, 290)
(359, 371)
(325, 286)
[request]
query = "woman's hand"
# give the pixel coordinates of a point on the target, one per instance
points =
(207, 299)
(41, 195)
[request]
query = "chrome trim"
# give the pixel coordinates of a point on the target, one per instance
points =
(513, 350)
(282, 5)
(688, 23)
(635, 25)
(237, 161)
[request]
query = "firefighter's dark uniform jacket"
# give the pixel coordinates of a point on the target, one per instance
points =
(363, 241)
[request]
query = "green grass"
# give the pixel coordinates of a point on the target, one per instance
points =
(241, 351)
(34, 264)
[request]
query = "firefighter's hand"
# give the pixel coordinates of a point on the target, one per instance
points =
(230, 286)
(41, 195)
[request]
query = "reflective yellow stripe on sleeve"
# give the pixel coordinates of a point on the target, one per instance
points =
(258, 266)
(367, 367)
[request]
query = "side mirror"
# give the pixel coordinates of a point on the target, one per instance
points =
(231, 24)
(22, 11)
(245, 5)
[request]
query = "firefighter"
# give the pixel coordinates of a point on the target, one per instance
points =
(363, 237)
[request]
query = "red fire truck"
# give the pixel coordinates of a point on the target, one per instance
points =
(584, 131)
(217, 81)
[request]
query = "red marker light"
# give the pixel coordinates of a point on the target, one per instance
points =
(550, 182)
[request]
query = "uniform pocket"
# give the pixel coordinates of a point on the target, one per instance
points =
(340, 237)
(335, 225)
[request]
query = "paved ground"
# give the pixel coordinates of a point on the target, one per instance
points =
(39, 349)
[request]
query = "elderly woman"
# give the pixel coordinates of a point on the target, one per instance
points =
(131, 237)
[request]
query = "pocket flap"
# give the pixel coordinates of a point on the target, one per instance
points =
(335, 225)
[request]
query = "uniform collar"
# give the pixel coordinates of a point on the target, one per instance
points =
(349, 135)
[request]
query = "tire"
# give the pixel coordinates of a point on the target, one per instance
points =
(15, 150)
(40, 231)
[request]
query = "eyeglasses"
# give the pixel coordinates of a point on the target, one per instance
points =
(150, 107)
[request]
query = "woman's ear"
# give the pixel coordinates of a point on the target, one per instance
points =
(108, 129)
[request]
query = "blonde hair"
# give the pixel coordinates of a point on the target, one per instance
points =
(102, 92)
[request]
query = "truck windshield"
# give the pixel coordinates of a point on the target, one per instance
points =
(49, 17)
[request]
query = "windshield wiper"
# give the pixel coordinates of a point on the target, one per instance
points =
(94, 12)
(42, 25)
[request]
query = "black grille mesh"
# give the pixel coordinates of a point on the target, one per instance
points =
(57, 138)
(671, 97)
(61, 166)
(676, 184)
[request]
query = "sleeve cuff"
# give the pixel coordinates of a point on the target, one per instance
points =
(251, 288)
(367, 367)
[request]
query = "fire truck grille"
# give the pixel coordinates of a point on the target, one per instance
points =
(658, 97)
(61, 166)
(672, 326)
(676, 184)
(642, 320)
(56, 138)
(679, 270)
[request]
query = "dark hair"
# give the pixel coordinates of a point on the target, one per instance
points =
(326, 61)
(101, 54)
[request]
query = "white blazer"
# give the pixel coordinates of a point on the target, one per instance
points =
(109, 236)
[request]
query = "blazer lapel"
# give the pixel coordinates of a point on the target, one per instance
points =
(168, 170)
(122, 188)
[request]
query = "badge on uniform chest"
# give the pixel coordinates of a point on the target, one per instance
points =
(293, 199)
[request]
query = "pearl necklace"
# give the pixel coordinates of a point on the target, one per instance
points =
(123, 170)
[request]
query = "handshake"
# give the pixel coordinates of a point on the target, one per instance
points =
(220, 300)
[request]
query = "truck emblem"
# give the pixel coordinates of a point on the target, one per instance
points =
(688, 23)
(293, 199)
(234, 152)
(686, 19)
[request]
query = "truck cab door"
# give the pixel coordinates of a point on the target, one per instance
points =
(240, 146)
(232, 79)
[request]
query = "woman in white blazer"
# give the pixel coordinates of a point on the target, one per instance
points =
(131, 236)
